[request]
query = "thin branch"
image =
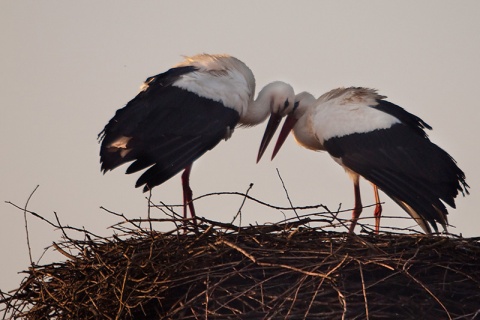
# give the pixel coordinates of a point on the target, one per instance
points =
(149, 200)
(364, 291)
(26, 224)
(286, 193)
(239, 211)
(250, 198)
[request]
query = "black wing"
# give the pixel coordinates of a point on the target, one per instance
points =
(406, 165)
(165, 128)
(407, 118)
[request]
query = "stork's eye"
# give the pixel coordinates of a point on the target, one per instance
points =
(286, 104)
(295, 105)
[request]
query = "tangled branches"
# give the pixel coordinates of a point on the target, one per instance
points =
(287, 270)
(294, 269)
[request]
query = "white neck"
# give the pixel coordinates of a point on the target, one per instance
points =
(271, 99)
(303, 131)
(257, 110)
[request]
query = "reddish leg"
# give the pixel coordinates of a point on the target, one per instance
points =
(357, 209)
(378, 210)
(187, 195)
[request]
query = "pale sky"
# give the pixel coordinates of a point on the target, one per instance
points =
(67, 66)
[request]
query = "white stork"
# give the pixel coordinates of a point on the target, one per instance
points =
(380, 141)
(184, 112)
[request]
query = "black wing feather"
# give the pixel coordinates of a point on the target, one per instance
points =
(167, 127)
(406, 165)
(407, 118)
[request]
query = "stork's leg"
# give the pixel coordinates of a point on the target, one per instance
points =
(357, 209)
(378, 209)
(187, 195)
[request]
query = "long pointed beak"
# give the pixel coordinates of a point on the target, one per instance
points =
(287, 127)
(272, 126)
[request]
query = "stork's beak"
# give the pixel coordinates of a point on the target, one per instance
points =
(287, 127)
(272, 126)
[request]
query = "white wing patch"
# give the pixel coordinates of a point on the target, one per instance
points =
(334, 120)
(229, 88)
(221, 78)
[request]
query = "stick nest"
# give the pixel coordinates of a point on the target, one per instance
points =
(279, 271)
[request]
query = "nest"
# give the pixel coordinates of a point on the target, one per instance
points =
(294, 269)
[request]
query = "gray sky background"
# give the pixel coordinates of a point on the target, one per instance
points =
(67, 66)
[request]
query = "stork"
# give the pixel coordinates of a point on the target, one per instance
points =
(383, 143)
(182, 113)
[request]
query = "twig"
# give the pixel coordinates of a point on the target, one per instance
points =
(239, 212)
(149, 200)
(36, 215)
(364, 291)
(250, 198)
(66, 254)
(26, 224)
(286, 193)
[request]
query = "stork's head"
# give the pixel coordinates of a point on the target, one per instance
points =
(280, 96)
(281, 99)
(303, 101)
